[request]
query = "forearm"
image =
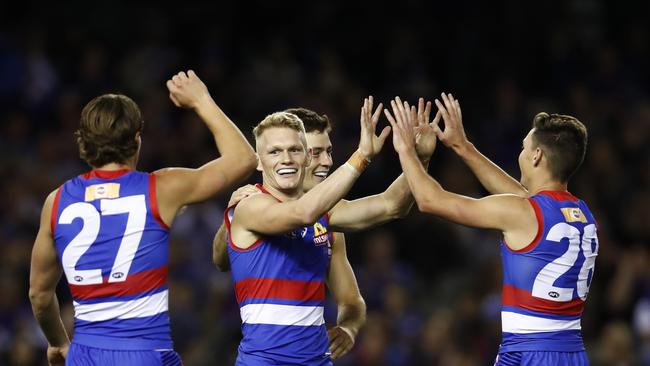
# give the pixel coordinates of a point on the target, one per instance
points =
(399, 197)
(229, 139)
(325, 195)
(352, 315)
(46, 312)
(426, 190)
(220, 250)
(491, 176)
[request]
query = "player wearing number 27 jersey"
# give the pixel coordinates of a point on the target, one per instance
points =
(549, 242)
(113, 249)
(107, 231)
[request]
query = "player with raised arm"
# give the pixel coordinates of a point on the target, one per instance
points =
(278, 243)
(107, 230)
(395, 202)
(549, 241)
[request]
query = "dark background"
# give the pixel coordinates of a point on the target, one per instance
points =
(432, 288)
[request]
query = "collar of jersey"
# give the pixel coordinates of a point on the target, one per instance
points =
(106, 174)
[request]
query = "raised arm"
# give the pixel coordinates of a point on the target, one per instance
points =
(281, 217)
(511, 214)
(351, 307)
(44, 275)
(491, 176)
(177, 187)
(396, 201)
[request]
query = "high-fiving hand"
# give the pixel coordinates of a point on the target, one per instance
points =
(404, 124)
(453, 135)
(369, 143)
(425, 132)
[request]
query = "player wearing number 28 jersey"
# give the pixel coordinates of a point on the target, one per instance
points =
(107, 231)
(549, 242)
(545, 284)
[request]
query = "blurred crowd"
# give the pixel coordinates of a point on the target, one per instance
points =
(432, 288)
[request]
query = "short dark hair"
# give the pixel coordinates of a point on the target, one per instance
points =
(313, 121)
(563, 140)
(107, 130)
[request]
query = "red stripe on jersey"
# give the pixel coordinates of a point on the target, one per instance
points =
(276, 288)
(540, 229)
(560, 195)
(153, 201)
(55, 209)
(516, 297)
(135, 283)
(105, 174)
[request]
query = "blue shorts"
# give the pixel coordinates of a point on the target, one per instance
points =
(79, 355)
(542, 358)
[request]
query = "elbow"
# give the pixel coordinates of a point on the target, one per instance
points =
(425, 206)
(308, 217)
(39, 299)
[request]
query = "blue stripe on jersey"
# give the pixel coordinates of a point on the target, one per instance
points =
(281, 302)
(562, 341)
(122, 298)
(276, 344)
(539, 314)
(144, 333)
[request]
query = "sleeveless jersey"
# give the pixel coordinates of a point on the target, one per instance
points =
(546, 283)
(280, 288)
(113, 247)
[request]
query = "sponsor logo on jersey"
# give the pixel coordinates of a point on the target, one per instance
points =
(573, 214)
(320, 234)
(100, 191)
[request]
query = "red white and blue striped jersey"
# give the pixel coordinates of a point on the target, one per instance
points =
(280, 288)
(546, 283)
(113, 247)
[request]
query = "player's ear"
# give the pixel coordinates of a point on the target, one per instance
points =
(537, 156)
(259, 162)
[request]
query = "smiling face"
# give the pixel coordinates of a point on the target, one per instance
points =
(282, 159)
(321, 161)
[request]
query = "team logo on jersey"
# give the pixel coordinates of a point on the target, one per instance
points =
(104, 190)
(573, 214)
(320, 234)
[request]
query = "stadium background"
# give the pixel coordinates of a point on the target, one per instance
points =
(432, 288)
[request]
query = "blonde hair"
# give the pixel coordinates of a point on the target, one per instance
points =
(281, 120)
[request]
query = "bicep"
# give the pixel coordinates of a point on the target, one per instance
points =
(220, 250)
(45, 269)
(262, 214)
(341, 280)
(187, 186)
(501, 212)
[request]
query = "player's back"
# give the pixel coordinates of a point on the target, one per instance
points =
(546, 283)
(113, 248)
